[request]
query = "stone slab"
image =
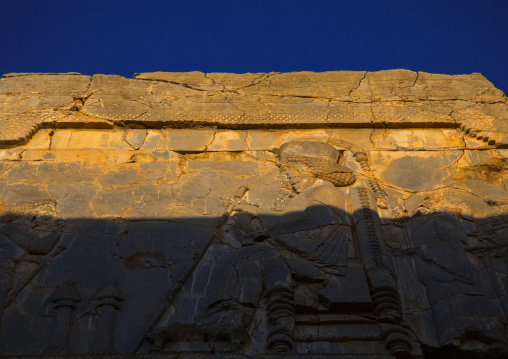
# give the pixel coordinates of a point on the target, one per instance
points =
(30, 102)
(299, 215)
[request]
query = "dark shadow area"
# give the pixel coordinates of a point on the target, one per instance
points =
(319, 281)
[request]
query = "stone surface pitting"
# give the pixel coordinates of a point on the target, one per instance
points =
(384, 99)
(189, 215)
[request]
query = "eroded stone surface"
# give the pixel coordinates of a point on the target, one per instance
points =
(392, 99)
(344, 214)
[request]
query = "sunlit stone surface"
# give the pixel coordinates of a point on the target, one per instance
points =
(191, 215)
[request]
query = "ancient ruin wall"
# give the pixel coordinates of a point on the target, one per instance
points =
(354, 214)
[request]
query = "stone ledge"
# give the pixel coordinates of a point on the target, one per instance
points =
(341, 99)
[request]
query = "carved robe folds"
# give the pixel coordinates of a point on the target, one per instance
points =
(297, 272)
(463, 315)
(341, 214)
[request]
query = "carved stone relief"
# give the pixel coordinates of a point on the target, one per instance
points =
(274, 235)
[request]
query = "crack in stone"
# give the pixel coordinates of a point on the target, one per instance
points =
(50, 134)
(416, 78)
(254, 83)
(182, 84)
(357, 87)
(210, 143)
(215, 83)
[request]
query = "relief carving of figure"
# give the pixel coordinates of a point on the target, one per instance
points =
(308, 245)
(464, 316)
(301, 260)
(270, 278)
(25, 242)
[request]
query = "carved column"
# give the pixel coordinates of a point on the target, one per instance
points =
(382, 280)
(378, 192)
(63, 301)
(281, 308)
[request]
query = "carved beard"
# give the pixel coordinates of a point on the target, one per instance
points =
(299, 176)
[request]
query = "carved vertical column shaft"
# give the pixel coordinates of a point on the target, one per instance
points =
(379, 193)
(281, 308)
(382, 280)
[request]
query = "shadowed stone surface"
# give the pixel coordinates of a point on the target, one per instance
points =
(313, 215)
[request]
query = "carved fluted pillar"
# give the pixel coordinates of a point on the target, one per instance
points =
(380, 275)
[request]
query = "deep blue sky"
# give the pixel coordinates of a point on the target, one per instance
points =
(129, 36)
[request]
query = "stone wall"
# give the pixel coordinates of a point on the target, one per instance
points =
(351, 214)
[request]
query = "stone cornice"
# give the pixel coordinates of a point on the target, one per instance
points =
(341, 99)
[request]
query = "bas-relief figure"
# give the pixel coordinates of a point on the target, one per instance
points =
(316, 258)
(311, 274)
(452, 284)
(277, 274)
(316, 255)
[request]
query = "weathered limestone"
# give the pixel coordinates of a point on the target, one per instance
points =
(385, 99)
(185, 215)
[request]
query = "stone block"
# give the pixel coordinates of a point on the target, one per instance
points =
(189, 215)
